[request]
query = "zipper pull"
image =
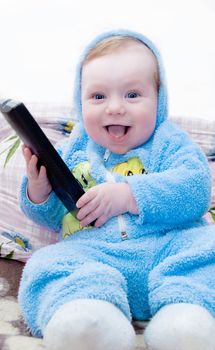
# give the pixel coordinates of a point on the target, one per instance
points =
(122, 227)
(106, 155)
(124, 235)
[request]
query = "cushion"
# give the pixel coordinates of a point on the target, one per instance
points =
(18, 235)
(202, 131)
(212, 167)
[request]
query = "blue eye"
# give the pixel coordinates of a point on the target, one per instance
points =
(98, 96)
(132, 94)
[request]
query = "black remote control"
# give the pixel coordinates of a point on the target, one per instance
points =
(63, 182)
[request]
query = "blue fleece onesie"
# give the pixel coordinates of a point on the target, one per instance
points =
(140, 263)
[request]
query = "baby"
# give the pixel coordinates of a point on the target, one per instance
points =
(149, 254)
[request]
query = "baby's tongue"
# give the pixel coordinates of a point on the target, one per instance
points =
(116, 130)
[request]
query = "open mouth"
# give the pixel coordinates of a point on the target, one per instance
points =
(117, 131)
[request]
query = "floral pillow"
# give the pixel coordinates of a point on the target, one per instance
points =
(18, 235)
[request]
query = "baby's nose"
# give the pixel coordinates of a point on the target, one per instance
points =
(115, 106)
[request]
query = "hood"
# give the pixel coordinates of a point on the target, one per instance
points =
(162, 108)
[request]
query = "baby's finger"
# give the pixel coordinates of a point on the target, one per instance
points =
(42, 173)
(32, 167)
(87, 208)
(86, 198)
(87, 220)
(26, 153)
(84, 212)
(101, 220)
(91, 216)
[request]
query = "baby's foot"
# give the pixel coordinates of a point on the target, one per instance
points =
(88, 324)
(181, 327)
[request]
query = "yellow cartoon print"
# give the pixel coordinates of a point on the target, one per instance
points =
(132, 167)
(82, 174)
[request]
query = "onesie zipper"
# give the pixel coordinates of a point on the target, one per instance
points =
(122, 227)
(106, 155)
(120, 218)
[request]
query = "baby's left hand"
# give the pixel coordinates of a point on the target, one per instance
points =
(103, 201)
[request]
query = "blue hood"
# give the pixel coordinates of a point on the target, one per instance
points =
(162, 108)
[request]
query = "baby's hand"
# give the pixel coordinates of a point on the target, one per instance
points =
(39, 186)
(103, 201)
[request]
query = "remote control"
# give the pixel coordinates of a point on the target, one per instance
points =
(63, 182)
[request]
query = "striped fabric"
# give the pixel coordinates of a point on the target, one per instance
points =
(201, 131)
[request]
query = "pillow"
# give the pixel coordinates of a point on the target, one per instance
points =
(212, 167)
(201, 131)
(19, 236)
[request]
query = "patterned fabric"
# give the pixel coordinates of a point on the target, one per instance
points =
(201, 131)
(212, 167)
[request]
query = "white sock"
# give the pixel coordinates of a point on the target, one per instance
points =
(181, 327)
(88, 324)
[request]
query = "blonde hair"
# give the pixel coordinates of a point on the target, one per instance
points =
(113, 43)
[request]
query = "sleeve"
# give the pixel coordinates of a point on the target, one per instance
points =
(178, 188)
(48, 214)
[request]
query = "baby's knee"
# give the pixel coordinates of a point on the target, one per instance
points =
(181, 327)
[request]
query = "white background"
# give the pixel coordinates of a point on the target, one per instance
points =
(41, 41)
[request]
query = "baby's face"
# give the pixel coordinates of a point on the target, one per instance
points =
(119, 98)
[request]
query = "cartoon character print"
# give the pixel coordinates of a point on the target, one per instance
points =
(82, 174)
(133, 166)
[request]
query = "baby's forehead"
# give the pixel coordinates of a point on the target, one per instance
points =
(123, 47)
(116, 44)
(148, 60)
(137, 46)
(130, 52)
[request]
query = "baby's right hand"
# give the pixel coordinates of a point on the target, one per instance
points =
(39, 186)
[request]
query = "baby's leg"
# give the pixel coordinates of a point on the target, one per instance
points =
(89, 324)
(181, 292)
(181, 327)
(75, 299)
(184, 272)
